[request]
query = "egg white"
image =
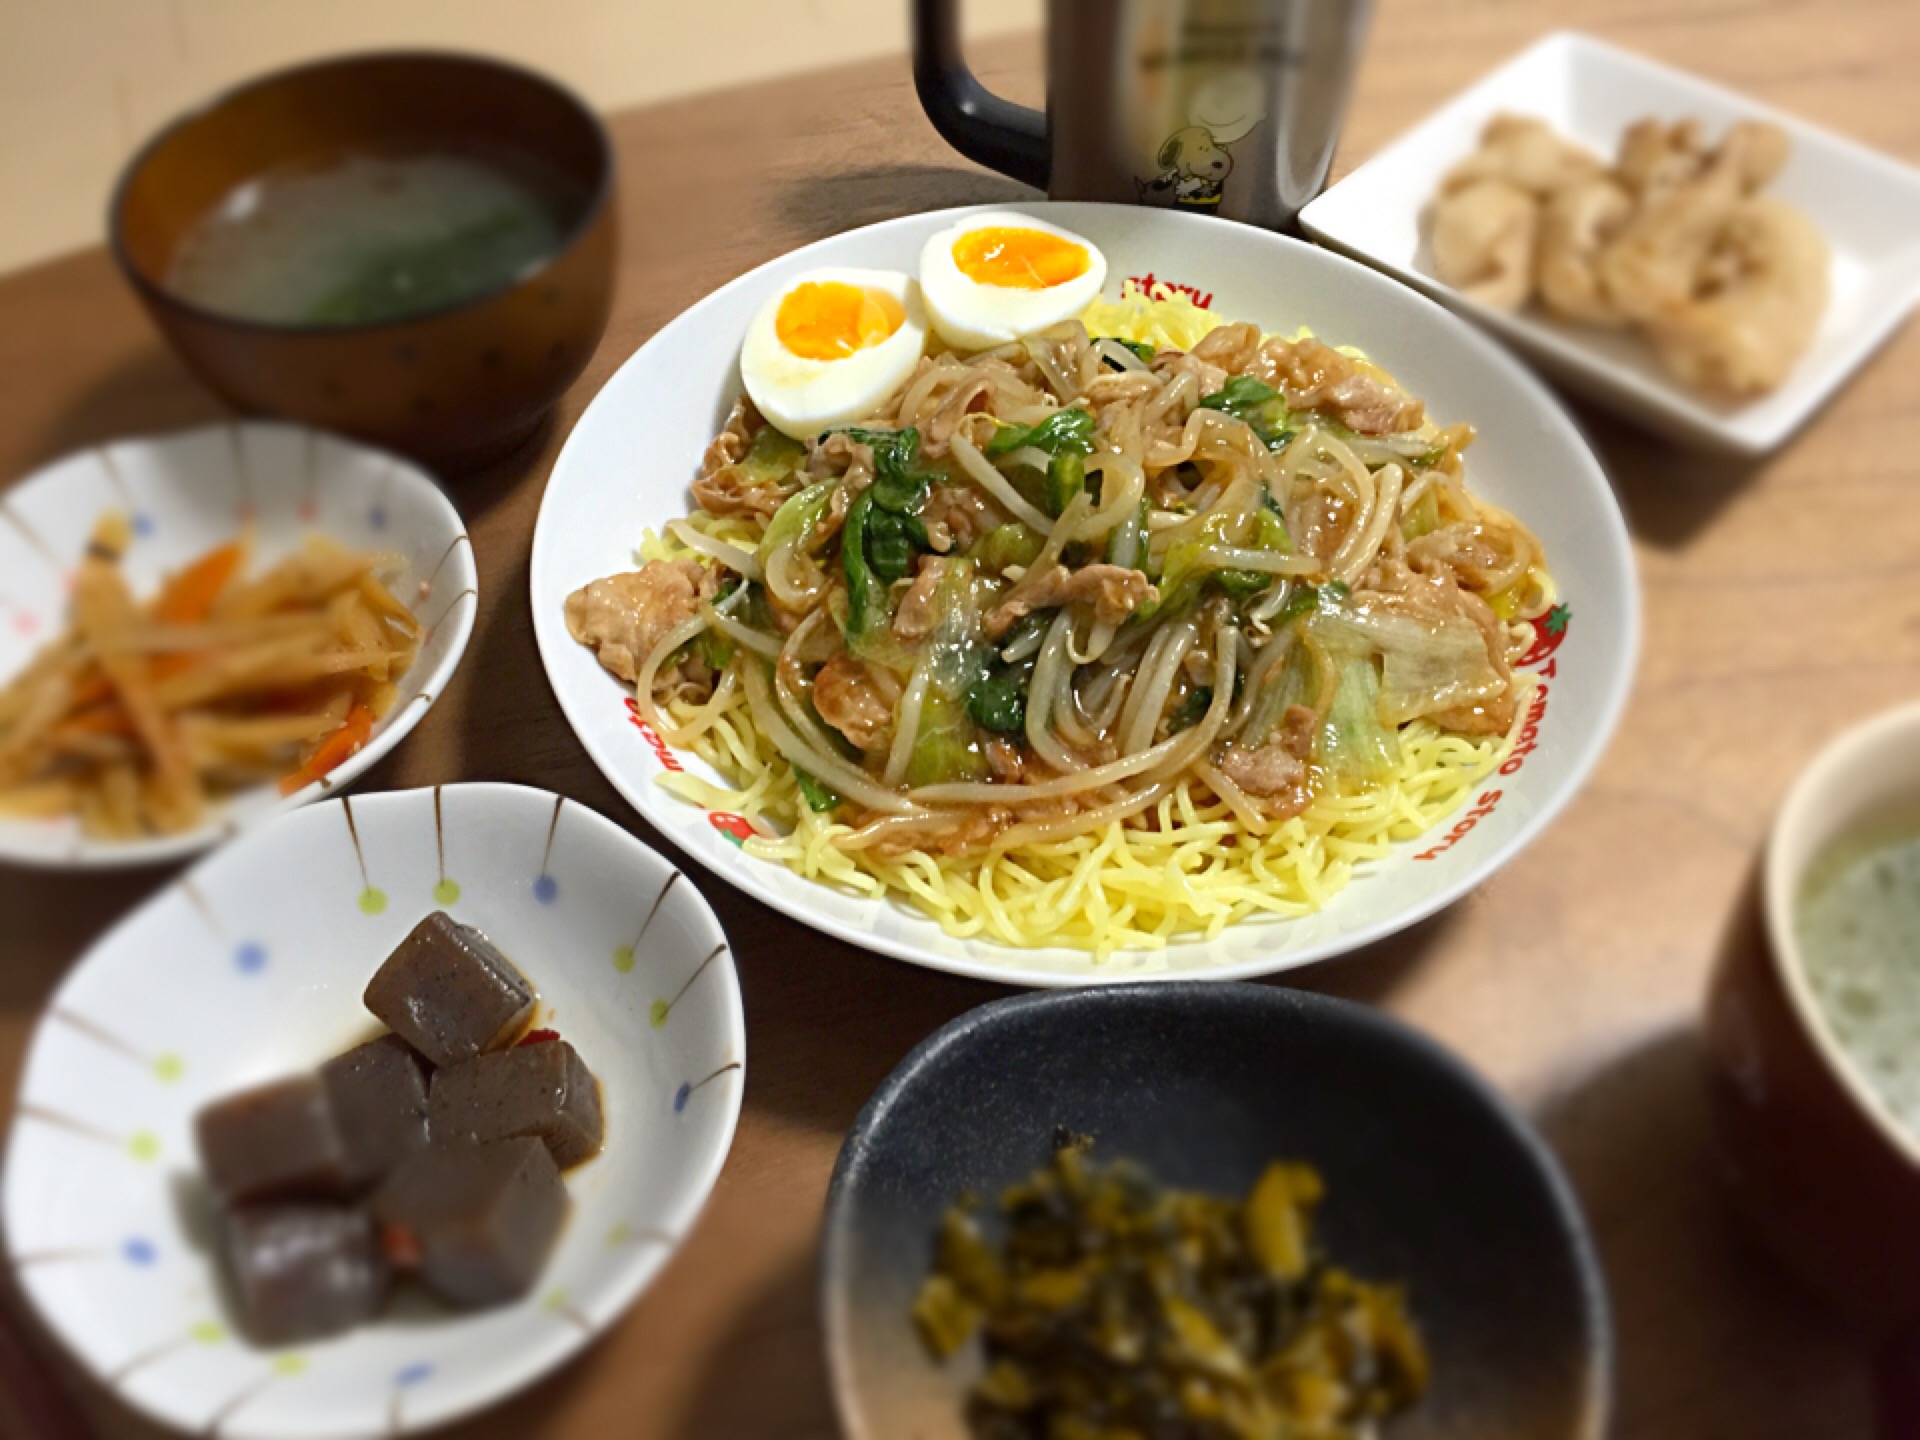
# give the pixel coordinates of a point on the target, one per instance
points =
(971, 316)
(801, 397)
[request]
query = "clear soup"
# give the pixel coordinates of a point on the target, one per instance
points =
(365, 238)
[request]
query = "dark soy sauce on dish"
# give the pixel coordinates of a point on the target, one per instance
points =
(363, 238)
(1857, 920)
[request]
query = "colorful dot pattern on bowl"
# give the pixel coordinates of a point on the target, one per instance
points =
(250, 958)
(182, 493)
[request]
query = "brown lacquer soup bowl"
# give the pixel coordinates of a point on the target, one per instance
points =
(454, 386)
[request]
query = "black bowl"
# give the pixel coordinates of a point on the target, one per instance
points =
(1432, 1179)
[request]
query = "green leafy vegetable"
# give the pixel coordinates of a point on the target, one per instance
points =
(1145, 349)
(1423, 516)
(819, 798)
(999, 702)
(1187, 713)
(1356, 746)
(866, 591)
(1004, 545)
(1310, 598)
(1242, 585)
(892, 540)
(714, 649)
(1270, 530)
(1269, 533)
(1182, 572)
(883, 526)
(1106, 1305)
(771, 456)
(1239, 395)
(1066, 478)
(956, 658)
(1258, 404)
(944, 750)
(1067, 431)
(796, 517)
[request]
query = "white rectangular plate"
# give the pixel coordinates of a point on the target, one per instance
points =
(1867, 205)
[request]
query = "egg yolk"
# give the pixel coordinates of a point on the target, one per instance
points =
(1018, 259)
(830, 320)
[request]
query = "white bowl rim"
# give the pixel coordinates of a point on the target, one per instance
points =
(163, 849)
(1780, 883)
(1542, 403)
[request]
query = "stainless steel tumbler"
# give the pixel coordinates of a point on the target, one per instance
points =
(1218, 107)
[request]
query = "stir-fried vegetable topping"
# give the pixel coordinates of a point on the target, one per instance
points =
(1046, 590)
(1258, 404)
(1067, 431)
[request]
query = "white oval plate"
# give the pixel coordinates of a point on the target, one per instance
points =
(628, 463)
(263, 950)
(187, 493)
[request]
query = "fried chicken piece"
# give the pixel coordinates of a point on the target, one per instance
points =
(1657, 258)
(1759, 297)
(1656, 158)
(1526, 152)
(622, 617)
(1483, 238)
(1577, 223)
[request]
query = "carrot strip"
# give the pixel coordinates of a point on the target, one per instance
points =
(109, 719)
(337, 748)
(175, 662)
(190, 595)
(93, 691)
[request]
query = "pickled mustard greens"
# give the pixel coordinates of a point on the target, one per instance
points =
(369, 238)
(1115, 1309)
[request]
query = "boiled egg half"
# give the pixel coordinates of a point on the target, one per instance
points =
(1000, 276)
(832, 347)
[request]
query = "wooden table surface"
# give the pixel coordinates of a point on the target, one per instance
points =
(1782, 602)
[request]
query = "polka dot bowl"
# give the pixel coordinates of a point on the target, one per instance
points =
(252, 966)
(186, 493)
